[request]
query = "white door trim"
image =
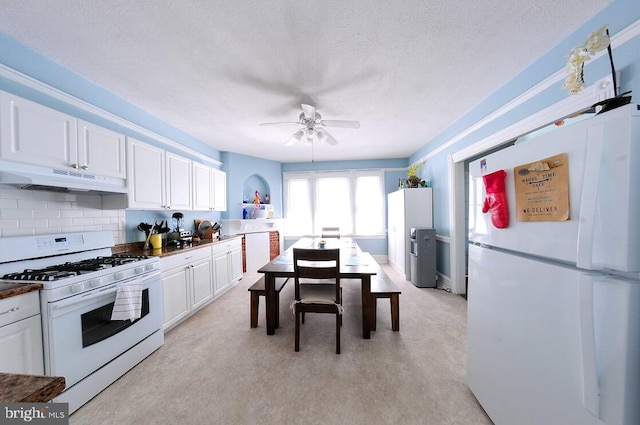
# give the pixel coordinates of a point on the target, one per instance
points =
(602, 89)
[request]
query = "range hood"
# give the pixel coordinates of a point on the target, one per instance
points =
(32, 177)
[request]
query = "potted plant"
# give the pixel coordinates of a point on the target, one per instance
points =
(412, 176)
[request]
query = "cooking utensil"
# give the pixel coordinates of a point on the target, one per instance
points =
(204, 228)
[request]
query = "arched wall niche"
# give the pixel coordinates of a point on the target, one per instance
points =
(253, 183)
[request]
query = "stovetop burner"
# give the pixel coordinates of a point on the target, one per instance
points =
(69, 269)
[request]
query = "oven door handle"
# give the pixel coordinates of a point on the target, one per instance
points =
(60, 307)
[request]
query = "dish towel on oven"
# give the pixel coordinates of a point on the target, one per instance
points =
(128, 303)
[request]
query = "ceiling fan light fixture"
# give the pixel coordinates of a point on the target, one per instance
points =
(324, 136)
(313, 127)
(297, 136)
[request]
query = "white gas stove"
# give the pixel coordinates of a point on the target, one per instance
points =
(80, 278)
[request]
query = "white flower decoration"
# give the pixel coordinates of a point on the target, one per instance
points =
(596, 42)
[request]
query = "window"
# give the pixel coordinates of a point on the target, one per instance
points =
(352, 200)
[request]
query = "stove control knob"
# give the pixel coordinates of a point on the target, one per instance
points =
(118, 276)
(77, 287)
(139, 270)
(150, 267)
(95, 282)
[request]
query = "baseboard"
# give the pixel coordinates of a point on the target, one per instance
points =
(443, 282)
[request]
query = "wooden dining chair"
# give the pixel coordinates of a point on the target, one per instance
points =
(317, 286)
(331, 232)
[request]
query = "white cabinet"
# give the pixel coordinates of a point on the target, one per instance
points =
(101, 151)
(209, 188)
(157, 179)
(21, 335)
(227, 263)
(406, 208)
(187, 283)
(178, 182)
(219, 190)
(202, 189)
(257, 250)
(35, 134)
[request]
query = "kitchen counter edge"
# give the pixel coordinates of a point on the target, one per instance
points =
(136, 248)
(18, 388)
(8, 290)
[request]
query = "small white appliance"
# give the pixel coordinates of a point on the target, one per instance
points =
(554, 306)
(80, 277)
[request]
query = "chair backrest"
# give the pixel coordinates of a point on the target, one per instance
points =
(322, 265)
(331, 232)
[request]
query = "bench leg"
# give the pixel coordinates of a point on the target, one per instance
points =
(374, 312)
(255, 303)
(277, 310)
(395, 312)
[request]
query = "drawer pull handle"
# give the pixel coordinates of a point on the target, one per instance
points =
(11, 310)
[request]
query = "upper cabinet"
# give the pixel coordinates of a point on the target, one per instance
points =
(178, 182)
(219, 190)
(101, 151)
(35, 134)
(209, 188)
(157, 179)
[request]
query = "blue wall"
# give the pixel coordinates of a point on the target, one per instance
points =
(239, 169)
(618, 15)
(27, 61)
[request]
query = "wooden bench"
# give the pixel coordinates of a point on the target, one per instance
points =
(383, 287)
(257, 290)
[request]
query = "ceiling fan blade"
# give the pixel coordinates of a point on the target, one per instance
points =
(324, 136)
(278, 123)
(340, 123)
(309, 111)
(297, 136)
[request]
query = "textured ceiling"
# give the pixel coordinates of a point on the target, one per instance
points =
(216, 69)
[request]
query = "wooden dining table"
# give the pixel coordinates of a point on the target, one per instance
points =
(354, 264)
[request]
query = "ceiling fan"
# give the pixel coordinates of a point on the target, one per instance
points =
(313, 126)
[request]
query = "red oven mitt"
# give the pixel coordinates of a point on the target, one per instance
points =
(496, 199)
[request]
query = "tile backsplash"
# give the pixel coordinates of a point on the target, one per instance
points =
(30, 212)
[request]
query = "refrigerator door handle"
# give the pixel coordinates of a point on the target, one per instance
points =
(589, 197)
(591, 386)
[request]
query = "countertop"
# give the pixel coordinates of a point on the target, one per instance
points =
(12, 289)
(15, 388)
(136, 248)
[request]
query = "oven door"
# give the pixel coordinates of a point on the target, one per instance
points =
(81, 336)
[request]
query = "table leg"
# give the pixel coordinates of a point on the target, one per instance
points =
(270, 302)
(366, 306)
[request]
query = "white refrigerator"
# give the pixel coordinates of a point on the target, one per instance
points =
(554, 305)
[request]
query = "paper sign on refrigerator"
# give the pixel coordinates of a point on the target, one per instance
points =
(542, 190)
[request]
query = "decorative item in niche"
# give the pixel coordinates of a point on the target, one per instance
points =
(596, 42)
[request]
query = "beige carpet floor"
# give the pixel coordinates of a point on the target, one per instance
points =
(215, 369)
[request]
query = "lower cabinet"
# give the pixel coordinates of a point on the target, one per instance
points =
(191, 279)
(187, 284)
(21, 335)
(227, 263)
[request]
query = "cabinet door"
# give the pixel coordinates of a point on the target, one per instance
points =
(257, 250)
(34, 134)
(21, 347)
(219, 190)
(201, 282)
(145, 171)
(235, 260)
(175, 287)
(178, 182)
(221, 272)
(101, 151)
(202, 189)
